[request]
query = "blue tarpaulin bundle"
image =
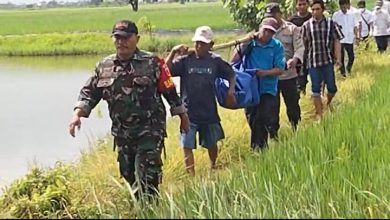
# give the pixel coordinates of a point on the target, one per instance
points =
(246, 90)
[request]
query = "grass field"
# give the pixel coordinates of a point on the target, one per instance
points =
(335, 169)
(163, 16)
(56, 44)
(85, 31)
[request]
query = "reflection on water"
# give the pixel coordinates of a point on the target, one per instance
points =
(38, 96)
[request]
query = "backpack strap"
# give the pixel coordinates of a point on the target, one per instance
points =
(365, 21)
(244, 50)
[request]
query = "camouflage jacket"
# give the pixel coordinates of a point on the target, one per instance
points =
(135, 105)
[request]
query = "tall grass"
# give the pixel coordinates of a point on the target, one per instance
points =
(164, 16)
(335, 169)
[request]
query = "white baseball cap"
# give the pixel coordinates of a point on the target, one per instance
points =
(203, 34)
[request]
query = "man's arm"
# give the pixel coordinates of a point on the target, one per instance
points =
(89, 97)
(279, 63)
(337, 36)
(337, 51)
(176, 68)
(238, 52)
(305, 40)
(359, 21)
(168, 90)
(241, 49)
(299, 49)
(357, 30)
(272, 72)
(225, 71)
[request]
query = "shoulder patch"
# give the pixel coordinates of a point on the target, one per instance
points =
(146, 54)
(105, 66)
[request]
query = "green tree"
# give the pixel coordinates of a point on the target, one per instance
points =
(249, 13)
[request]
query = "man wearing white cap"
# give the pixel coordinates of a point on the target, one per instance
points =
(198, 71)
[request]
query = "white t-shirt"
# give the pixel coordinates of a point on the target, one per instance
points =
(381, 22)
(368, 19)
(356, 12)
(347, 22)
(386, 6)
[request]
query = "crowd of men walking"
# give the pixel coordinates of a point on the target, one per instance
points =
(284, 52)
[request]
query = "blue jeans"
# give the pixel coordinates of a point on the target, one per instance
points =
(209, 135)
(321, 74)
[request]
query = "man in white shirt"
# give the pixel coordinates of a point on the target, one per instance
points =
(349, 24)
(381, 25)
(386, 6)
(367, 18)
(359, 19)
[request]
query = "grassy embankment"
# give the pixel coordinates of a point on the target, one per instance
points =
(333, 169)
(87, 30)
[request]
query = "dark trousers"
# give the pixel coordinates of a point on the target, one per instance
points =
(302, 77)
(288, 88)
(263, 121)
(351, 58)
(140, 163)
(366, 42)
(381, 43)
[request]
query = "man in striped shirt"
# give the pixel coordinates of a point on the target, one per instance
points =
(321, 37)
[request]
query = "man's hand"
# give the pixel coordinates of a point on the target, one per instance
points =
(74, 122)
(184, 123)
(292, 63)
(260, 73)
(357, 41)
(181, 49)
(230, 99)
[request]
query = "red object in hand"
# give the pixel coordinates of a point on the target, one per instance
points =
(165, 82)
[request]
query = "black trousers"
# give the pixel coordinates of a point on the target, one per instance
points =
(351, 58)
(381, 43)
(366, 42)
(263, 121)
(288, 89)
(303, 73)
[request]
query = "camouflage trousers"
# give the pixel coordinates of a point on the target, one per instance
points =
(140, 162)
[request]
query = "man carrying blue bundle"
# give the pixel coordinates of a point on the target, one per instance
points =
(267, 57)
(198, 71)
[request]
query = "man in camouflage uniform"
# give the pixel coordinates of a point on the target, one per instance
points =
(131, 82)
(289, 35)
